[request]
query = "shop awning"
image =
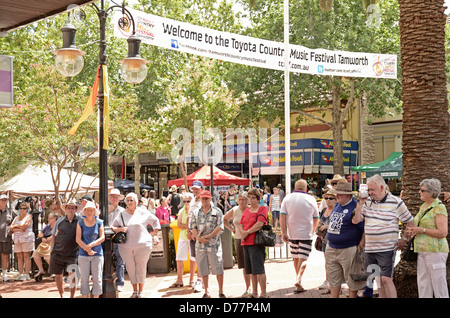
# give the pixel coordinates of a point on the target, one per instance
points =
(388, 168)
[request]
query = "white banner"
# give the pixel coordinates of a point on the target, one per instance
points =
(193, 39)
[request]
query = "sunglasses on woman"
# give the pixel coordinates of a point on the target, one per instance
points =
(186, 201)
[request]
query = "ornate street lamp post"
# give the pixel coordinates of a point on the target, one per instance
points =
(69, 62)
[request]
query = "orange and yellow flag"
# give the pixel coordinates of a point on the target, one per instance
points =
(89, 109)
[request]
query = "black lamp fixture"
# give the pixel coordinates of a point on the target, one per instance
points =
(69, 59)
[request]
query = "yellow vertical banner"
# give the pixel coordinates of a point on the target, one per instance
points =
(105, 107)
(89, 109)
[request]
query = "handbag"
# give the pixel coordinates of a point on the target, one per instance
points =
(409, 254)
(265, 236)
(120, 237)
(318, 244)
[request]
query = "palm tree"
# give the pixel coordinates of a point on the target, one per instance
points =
(426, 151)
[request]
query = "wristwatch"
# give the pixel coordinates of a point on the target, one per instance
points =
(424, 230)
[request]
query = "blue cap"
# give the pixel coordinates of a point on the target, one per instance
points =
(197, 184)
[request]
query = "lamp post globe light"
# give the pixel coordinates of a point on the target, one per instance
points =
(69, 62)
(133, 67)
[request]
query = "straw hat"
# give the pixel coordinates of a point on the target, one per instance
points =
(327, 191)
(44, 249)
(342, 187)
(72, 202)
(337, 177)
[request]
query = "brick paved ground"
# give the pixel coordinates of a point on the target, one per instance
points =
(280, 279)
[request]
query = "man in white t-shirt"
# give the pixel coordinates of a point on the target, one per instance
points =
(299, 218)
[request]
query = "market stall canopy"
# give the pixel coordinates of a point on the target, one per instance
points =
(18, 13)
(128, 185)
(37, 180)
(204, 175)
(389, 168)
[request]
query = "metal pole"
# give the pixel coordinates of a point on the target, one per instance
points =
(287, 113)
(109, 288)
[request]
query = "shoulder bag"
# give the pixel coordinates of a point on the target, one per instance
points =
(409, 254)
(265, 236)
(120, 237)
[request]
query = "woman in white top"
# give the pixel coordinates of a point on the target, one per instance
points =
(235, 215)
(275, 207)
(136, 251)
(23, 240)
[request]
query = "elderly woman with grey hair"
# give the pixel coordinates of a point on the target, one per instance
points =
(430, 230)
(136, 251)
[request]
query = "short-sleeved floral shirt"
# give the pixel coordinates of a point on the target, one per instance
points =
(424, 242)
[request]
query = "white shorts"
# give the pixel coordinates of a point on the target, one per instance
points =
(183, 250)
(21, 247)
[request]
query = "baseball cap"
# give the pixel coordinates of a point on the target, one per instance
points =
(3, 196)
(205, 194)
(87, 197)
(197, 184)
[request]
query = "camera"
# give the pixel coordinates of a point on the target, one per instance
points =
(363, 191)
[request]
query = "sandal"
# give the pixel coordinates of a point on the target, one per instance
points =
(38, 274)
(299, 288)
(175, 285)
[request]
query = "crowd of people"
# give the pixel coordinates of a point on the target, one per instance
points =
(346, 227)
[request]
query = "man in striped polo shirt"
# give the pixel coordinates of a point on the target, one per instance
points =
(381, 212)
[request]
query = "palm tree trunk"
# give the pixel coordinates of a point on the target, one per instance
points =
(425, 110)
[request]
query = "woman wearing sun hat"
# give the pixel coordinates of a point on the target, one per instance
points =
(90, 236)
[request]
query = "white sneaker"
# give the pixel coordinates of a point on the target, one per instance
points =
(119, 288)
(198, 286)
(324, 285)
(5, 278)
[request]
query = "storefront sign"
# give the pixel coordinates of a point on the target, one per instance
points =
(300, 158)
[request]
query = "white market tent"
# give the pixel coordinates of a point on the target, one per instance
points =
(36, 180)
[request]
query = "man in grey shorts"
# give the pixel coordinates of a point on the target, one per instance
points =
(206, 226)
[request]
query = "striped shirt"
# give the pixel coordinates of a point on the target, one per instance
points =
(381, 223)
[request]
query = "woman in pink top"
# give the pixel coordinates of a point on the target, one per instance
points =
(163, 211)
(253, 218)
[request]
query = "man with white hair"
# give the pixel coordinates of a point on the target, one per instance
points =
(381, 212)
